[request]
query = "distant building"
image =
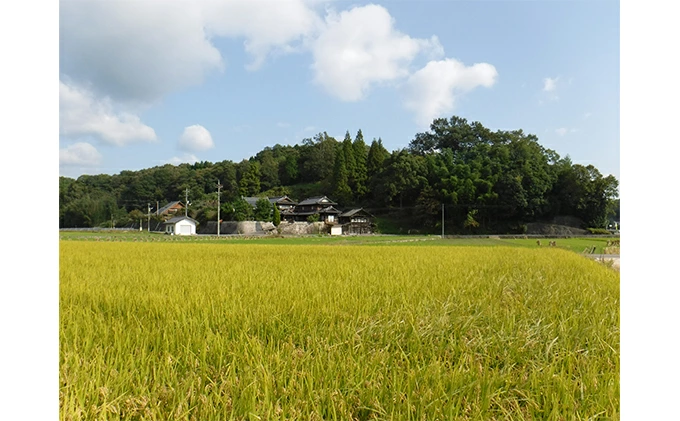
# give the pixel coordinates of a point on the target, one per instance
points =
(357, 221)
(322, 206)
(170, 210)
(281, 202)
(180, 225)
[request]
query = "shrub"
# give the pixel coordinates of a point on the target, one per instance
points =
(599, 231)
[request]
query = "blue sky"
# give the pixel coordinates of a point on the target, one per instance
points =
(144, 83)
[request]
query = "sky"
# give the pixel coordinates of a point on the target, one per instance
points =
(145, 83)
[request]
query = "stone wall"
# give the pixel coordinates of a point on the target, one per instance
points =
(237, 228)
(303, 228)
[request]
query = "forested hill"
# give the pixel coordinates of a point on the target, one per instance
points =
(488, 181)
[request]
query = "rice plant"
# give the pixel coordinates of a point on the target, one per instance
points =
(206, 331)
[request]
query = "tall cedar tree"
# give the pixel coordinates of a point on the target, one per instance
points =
(341, 190)
(350, 163)
(361, 172)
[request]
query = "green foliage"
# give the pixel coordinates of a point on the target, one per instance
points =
(263, 210)
(249, 184)
(276, 219)
(313, 218)
(506, 176)
(341, 189)
(599, 231)
(237, 210)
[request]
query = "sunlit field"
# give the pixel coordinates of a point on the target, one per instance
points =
(221, 331)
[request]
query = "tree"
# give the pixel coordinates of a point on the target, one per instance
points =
(249, 185)
(377, 154)
(350, 162)
(341, 189)
(263, 210)
(238, 210)
(361, 172)
(277, 216)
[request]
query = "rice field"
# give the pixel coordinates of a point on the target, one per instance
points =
(239, 331)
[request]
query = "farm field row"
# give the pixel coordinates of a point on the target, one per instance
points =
(215, 331)
(577, 245)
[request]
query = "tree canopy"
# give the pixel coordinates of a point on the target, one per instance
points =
(489, 181)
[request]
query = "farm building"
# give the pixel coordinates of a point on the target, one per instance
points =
(180, 225)
(356, 221)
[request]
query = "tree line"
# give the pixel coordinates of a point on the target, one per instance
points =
(487, 181)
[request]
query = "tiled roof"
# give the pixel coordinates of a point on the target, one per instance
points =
(168, 206)
(320, 200)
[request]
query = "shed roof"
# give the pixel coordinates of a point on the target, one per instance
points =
(177, 219)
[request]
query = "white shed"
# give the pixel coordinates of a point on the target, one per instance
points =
(180, 225)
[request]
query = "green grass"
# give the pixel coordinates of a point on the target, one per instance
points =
(206, 331)
(573, 244)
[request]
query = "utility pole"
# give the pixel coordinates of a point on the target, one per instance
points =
(186, 201)
(157, 207)
(148, 222)
(219, 221)
(442, 221)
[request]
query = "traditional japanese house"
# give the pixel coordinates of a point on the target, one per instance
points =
(357, 221)
(283, 202)
(322, 206)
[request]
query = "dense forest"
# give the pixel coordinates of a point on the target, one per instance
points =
(488, 181)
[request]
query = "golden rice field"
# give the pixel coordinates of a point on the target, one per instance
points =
(209, 331)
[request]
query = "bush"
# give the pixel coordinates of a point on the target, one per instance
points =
(599, 231)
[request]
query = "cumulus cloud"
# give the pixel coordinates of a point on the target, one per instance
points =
(550, 84)
(136, 50)
(82, 114)
(81, 153)
(184, 159)
(360, 47)
(196, 138)
(431, 91)
(142, 50)
(274, 27)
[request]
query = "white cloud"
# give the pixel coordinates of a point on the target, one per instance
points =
(360, 47)
(81, 153)
(431, 91)
(587, 115)
(81, 114)
(274, 26)
(142, 50)
(135, 50)
(282, 124)
(550, 84)
(184, 159)
(561, 131)
(196, 138)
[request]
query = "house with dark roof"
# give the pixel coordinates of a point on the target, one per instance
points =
(322, 206)
(357, 221)
(283, 202)
(170, 210)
